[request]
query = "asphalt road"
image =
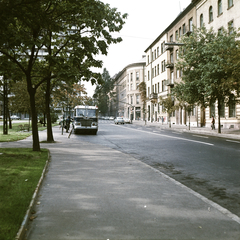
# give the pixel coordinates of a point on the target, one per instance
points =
(208, 165)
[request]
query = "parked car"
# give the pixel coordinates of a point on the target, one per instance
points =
(118, 120)
(111, 118)
(127, 120)
(1, 117)
(15, 117)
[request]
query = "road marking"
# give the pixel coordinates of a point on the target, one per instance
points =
(199, 136)
(184, 139)
(233, 141)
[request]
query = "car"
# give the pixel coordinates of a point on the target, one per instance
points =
(111, 118)
(118, 120)
(127, 120)
(1, 117)
(15, 117)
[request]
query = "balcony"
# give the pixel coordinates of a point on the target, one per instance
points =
(169, 47)
(153, 96)
(169, 65)
(170, 83)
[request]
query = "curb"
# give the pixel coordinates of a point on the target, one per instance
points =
(22, 231)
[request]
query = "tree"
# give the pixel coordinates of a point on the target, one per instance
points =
(73, 32)
(206, 60)
(103, 92)
(168, 106)
(143, 93)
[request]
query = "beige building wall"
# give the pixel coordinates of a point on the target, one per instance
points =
(218, 14)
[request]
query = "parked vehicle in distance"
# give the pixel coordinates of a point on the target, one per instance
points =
(1, 117)
(127, 120)
(15, 117)
(118, 120)
(111, 118)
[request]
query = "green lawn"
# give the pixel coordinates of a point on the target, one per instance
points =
(20, 171)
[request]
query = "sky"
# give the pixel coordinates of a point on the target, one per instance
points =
(146, 21)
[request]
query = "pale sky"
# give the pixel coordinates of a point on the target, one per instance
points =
(146, 21)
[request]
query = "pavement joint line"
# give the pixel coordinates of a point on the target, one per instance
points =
(184, 139)
(221, 209)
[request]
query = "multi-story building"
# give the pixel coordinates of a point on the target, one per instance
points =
(162, 54)
(128, 100)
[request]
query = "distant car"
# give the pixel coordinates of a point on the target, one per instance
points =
(15, 117)
(118, 120)
(127, 120)
(1, 117)
(111, 118)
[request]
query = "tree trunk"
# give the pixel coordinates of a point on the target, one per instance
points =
(49, 121)
(219, 121)
(35, 137)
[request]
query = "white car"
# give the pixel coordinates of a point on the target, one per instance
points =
(15, 117)
(127, 120)
(119, 120)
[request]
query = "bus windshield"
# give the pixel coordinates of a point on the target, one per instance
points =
(84, 112)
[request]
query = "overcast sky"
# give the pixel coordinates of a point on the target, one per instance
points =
(146, 21)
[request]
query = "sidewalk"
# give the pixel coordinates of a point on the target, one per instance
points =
(225, 133)
(95, 192)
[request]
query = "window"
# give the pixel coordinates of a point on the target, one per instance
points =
(131, 87)
(222, 109)
(171, 57)
(178, 73)
(155, 54)
(157, 51)
(190, 24)
(177, 54)
(163, 47)
(172, 76)
(230, 27)
(230, 3)
(131, 78)
(158, 87)
(137, 99)
(184, 28)
(148, 75)
(232, 107)
(155, 74)
(171, 38)
(148, 59)
(163, 66)
(148, 91)
(163, 85)
(158, 70)
(131, 99)
(212, 109)
(180, 32)
(201, 20)
(210, 14)
(219, 7)
(176, 35)
(137, 84)
(137, 76)
(155, 88)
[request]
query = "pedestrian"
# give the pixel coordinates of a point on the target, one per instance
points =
(213, 123)
(68, 121)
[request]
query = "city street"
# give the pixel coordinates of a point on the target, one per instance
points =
(206, 164)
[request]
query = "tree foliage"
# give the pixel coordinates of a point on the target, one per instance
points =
(209, 68)
(66, 34)
(103, 92)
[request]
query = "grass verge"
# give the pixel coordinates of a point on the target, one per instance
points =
(20, 171)
(14, 134)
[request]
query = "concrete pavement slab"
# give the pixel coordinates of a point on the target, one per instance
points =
(95, 192)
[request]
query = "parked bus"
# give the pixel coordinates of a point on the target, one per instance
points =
(85, 119)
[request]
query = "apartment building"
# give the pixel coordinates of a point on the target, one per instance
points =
(162, 54)
(218, 14)
(128, 100)
(161, 72)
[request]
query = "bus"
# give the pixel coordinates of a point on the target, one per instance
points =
(85, 119)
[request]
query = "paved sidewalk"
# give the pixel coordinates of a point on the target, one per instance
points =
(225, 133)
(94, 192)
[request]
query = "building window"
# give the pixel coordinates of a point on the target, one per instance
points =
(190, 24)
(137, 76)
(176, 35)
(137, 99)
(155, 74)
(172, 77)
(163, 47)
(137, 84)
(230, 27)
(230, 3)
(180, 32)
(148, 59)
(163, 66)
(171, 38)
(210, 14)
(178, 73)
(131, 87)
(232, 107)
(184, 28)
(219, 7)
(148, 75)
(212, 109)
(131, 99)
(157, 51)
(158, 70)
(222, 109)
(131, 77)
(158, 88)
(148, 91)
(171, 57)
(177, 54)
(201, 20)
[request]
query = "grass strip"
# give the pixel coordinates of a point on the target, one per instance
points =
(15, 134)
(20, 171)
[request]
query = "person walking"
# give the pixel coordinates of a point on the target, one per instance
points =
(68, 121)
(213, 123)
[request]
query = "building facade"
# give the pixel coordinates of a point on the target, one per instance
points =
(128, 100)
(162, 54)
